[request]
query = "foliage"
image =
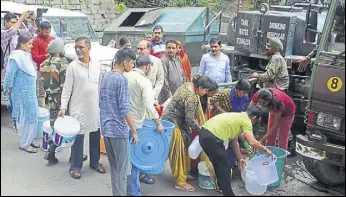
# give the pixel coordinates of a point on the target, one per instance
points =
(120, 7)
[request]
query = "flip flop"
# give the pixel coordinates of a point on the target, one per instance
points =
(34, 145)
(28, 151)
(186, 187)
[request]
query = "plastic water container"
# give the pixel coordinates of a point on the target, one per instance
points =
(43, 115)
(47, 135)
(195, 148)
(252, 185)
(156, 171)
(281, 156)
(265, 169)
(168, 126)
(204, 180)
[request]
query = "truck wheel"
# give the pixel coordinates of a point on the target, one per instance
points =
(325, 173)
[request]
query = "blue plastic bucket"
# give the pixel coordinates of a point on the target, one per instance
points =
(281, 156)
(43, 115)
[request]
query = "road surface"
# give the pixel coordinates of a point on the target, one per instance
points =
(27, 174)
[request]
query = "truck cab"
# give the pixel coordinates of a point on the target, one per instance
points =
(323, 146)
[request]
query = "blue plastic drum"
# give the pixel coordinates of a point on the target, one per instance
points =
(169, 126)
(151, 151)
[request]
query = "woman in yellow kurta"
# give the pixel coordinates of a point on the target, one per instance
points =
(182, 111)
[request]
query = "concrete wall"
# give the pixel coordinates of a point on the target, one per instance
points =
(100, 12)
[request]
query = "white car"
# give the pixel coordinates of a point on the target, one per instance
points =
(67, 25)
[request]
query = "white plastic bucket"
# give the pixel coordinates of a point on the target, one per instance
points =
(265, 169)
(195, 148)
(251, 183)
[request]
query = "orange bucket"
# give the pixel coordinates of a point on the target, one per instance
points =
(102, 145)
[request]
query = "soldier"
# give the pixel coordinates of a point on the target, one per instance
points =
(276, 75)
(53, 72)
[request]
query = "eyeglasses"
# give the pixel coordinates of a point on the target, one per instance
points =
(141, 49)
(79, 47)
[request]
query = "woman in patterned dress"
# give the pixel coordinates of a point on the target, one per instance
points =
(182, 111)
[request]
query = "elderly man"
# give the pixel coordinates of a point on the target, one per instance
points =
(276, 75)
(174, 73)
(155, 74)
(81, 92)
(142, 102)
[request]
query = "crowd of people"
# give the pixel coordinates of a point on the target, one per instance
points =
(114, 104)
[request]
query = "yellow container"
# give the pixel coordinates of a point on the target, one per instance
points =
(102, 145)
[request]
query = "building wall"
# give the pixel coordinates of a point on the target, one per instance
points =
(100, 12)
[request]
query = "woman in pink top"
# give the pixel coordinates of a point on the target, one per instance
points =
(282, 110)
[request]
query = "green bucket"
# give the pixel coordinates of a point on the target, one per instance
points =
(281, 155)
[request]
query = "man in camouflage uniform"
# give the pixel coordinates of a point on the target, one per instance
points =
(53, 74)
(276, 75)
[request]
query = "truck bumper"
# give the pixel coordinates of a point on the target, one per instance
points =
(329, 153)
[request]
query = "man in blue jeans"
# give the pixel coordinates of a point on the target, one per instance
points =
(141, 102)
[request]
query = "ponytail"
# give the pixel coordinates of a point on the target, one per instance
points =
(203, 82)
(268, 95)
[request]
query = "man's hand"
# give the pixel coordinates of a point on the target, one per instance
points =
(25, 15)
(304, 63)
(242, 164)
(61, 113)
(135, 139)
(262, 141)
(255, 75)
(160, 128)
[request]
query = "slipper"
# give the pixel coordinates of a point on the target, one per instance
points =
(100, 169)
(186, 187)
(147, 180)
(28, 150)
(75, 174)
(34, 145)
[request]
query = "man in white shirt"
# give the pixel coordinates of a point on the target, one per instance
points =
(81, 95)
(156, 74)
(142, 103)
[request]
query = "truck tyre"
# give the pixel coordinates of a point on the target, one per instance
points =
(325, 173)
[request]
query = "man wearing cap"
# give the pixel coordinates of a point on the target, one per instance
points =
(276, 75)
(141, 102)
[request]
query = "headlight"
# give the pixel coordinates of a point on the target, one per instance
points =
(328, 121)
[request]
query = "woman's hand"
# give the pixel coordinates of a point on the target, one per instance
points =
(242, 164)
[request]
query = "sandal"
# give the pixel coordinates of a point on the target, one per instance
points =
(187, 187)
(28, 150)
(146, 180)
(34, 145)
(100, 169)
(75, 174)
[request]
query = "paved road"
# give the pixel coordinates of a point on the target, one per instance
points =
(27, 174)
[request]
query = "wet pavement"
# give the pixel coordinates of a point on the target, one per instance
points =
(27, 174)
